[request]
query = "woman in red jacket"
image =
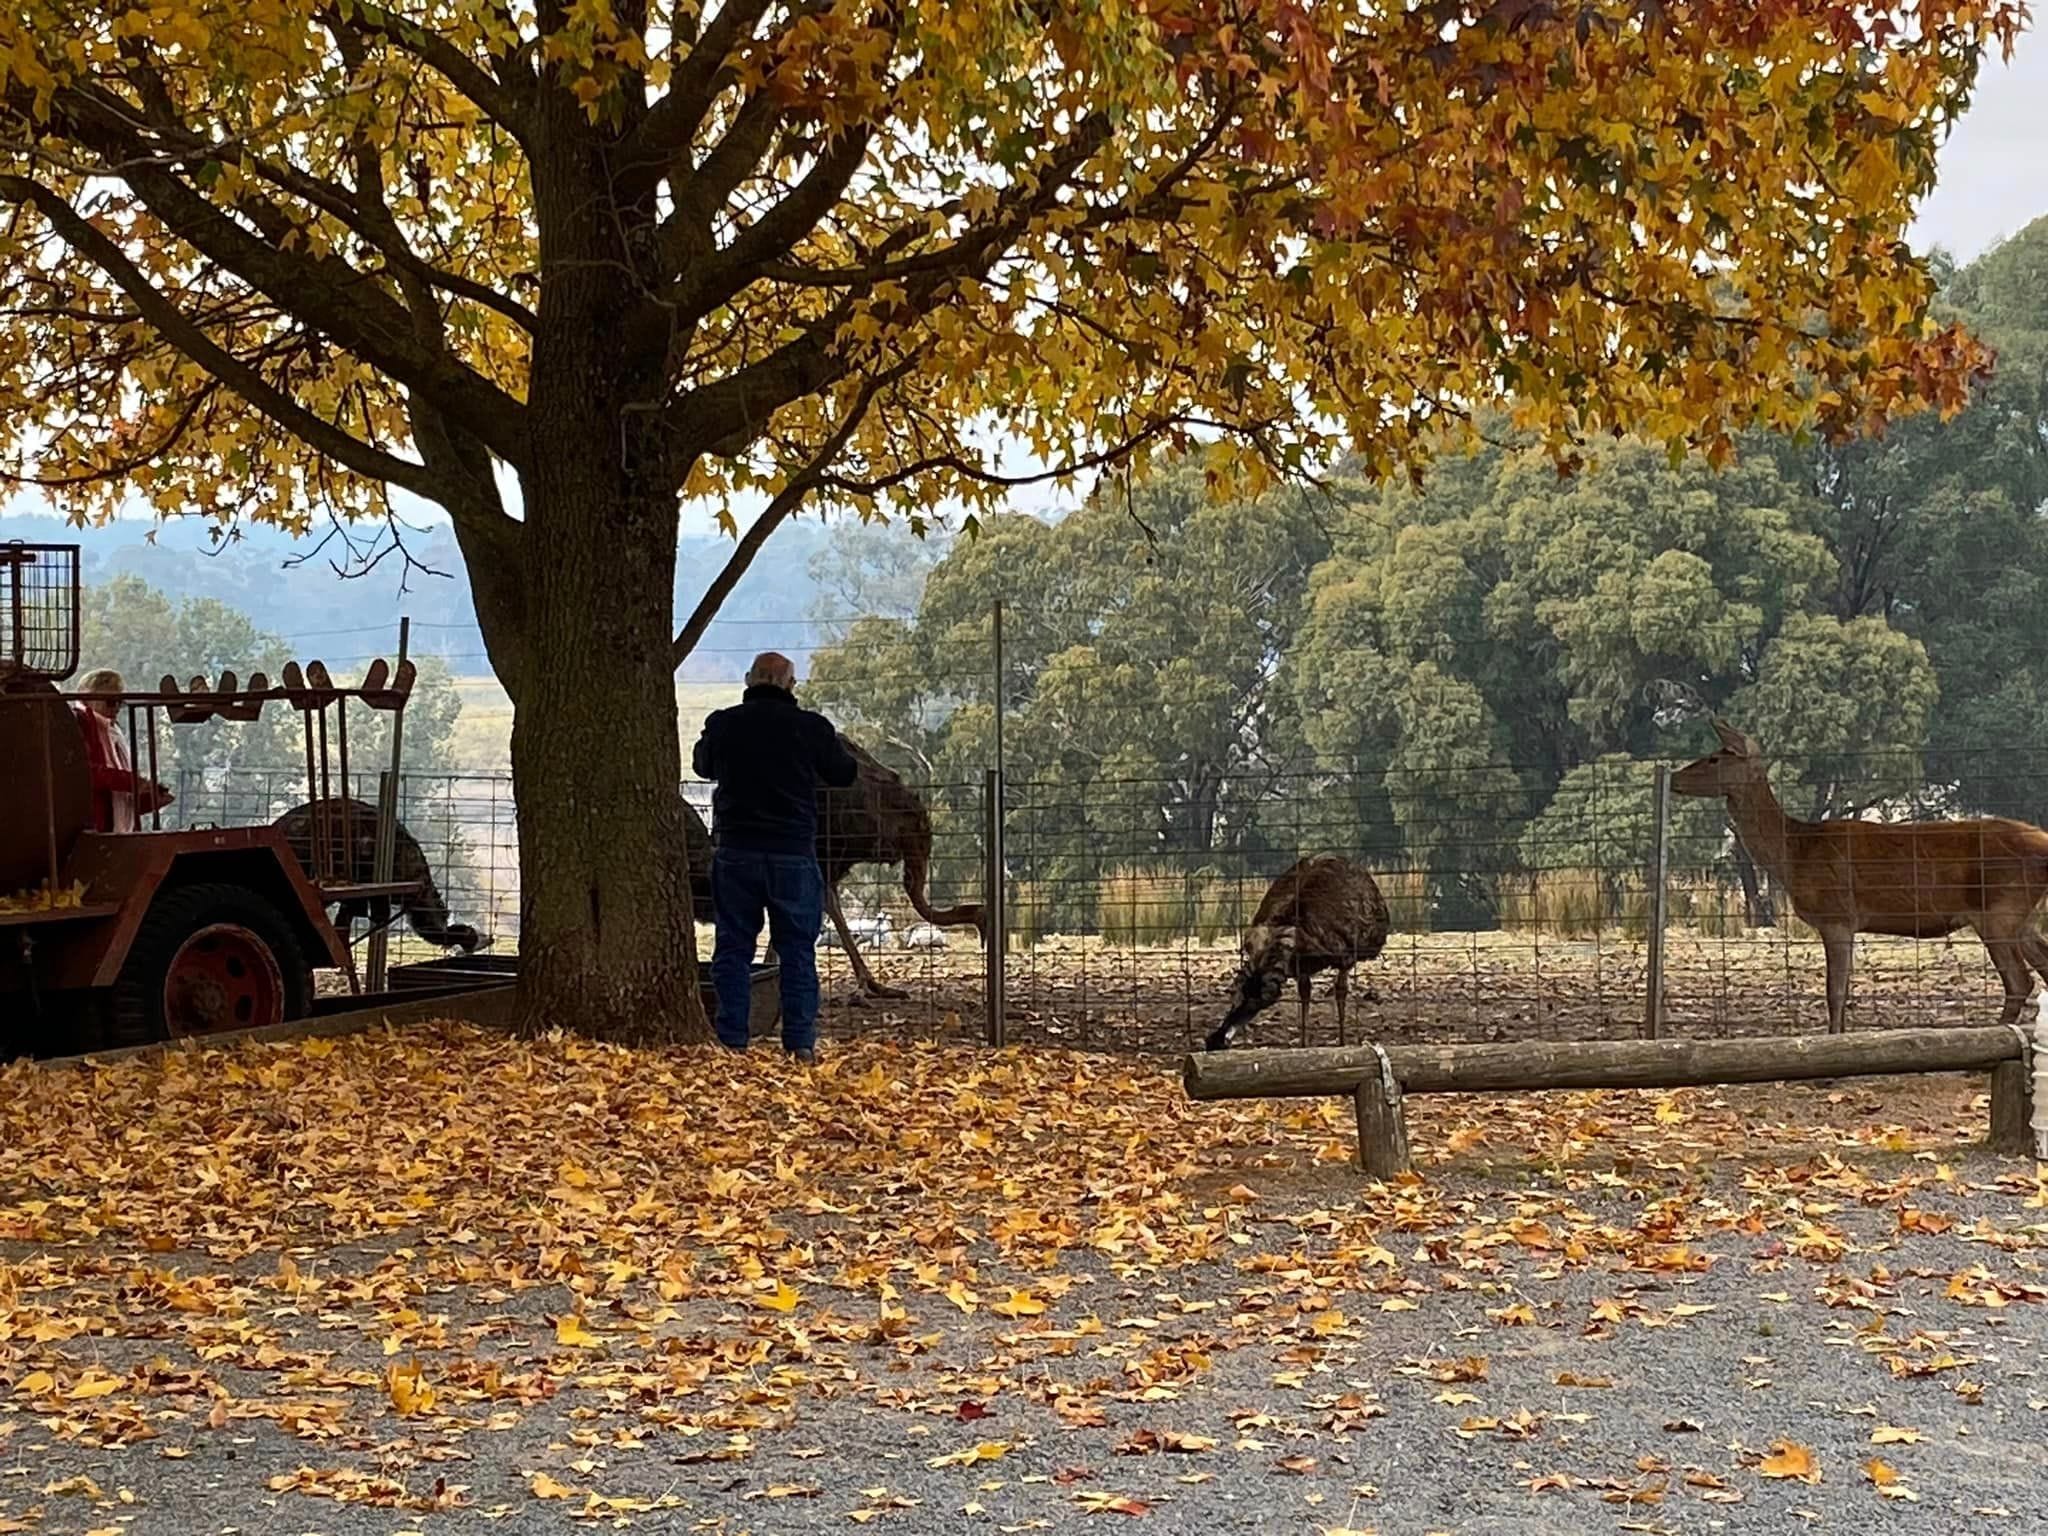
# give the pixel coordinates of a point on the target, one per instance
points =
(118, 796)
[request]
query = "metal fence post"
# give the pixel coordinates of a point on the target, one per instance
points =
(1660, 864)
(997, 627)
(995, 942)
(385, 852)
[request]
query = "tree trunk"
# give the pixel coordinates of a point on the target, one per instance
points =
(1756, 911)
(607, 943)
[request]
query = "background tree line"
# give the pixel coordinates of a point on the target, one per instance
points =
(143, 633)
(1472, 680)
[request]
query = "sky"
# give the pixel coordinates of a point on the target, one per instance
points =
(1994, 168)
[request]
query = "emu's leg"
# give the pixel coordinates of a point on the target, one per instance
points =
(1339, 986)
(1841, 952)
(1301, 982)
(869, 987)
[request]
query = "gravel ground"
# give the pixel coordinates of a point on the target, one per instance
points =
(1471, 1370)
(1614, 1401)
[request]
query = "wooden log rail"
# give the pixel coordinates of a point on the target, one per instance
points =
(1377, 1078)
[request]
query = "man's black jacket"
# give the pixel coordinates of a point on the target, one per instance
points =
(768, 755)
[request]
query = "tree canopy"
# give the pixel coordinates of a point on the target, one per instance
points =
(311, 247)
(265, 256)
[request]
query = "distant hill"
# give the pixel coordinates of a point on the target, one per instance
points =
(289, 590)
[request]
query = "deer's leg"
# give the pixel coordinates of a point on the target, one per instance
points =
(2005, 951)
(2034, 950)
(1301, 982)
(868, 985)
(1841, 953)
(1340, 985)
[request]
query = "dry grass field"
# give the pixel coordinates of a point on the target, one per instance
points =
(482, 742)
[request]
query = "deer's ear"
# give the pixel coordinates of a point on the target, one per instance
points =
(1734, 740)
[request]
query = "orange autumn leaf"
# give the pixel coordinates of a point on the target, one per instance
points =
(988, 1450)
(782, 1299)
(1790, 1460)
(408, 1390)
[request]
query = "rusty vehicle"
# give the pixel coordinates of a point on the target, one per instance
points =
(113, 938)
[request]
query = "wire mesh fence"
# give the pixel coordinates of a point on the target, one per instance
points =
(1125, 930)
(1126, 900)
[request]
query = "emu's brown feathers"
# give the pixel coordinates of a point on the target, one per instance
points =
(1324, 914)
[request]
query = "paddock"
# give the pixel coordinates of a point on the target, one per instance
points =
(1119, 951)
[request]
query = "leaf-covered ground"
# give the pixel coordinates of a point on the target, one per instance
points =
(454, 1282)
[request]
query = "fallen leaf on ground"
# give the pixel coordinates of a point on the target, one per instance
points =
(782, 1299)
(988, 1450)
(1093, 1503)
(1789, 1459)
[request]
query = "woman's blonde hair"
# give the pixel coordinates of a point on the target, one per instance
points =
(100, 680)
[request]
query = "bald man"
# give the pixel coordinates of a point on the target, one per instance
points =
(767, 757)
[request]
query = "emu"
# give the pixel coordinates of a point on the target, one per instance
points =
(423, 907)
(1324, 914)
(878, 819)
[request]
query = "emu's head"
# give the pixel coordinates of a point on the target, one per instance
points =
(1739, 761)
(1268, 960)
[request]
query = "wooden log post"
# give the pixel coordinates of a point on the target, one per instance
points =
(1527, 1066)
(1382, 1129)
(1378, 1077)
(2012, 1109)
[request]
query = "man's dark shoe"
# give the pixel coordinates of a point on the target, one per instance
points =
(808, 1058)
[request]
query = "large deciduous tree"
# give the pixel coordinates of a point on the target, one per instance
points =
(260, 254)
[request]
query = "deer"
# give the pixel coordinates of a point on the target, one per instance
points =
(1324, 914)
(1915, 880)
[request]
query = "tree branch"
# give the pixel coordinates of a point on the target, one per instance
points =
(785, 501)
(702, 290)
(508, 107)
(87, 241)
(704, 419)
(686, 233)
(1102, 458)
(672, 122)
(324, 293)
(365, 212)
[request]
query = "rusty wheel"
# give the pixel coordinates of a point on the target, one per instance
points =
(208, 958)
(223, 977)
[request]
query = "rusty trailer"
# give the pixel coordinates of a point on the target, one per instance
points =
(126, 937)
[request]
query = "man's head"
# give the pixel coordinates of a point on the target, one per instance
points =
(103, 689)
(772, 669)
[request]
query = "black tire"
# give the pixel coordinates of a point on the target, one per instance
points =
(135, 1015)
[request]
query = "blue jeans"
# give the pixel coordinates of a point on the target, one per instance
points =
(791, 890)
